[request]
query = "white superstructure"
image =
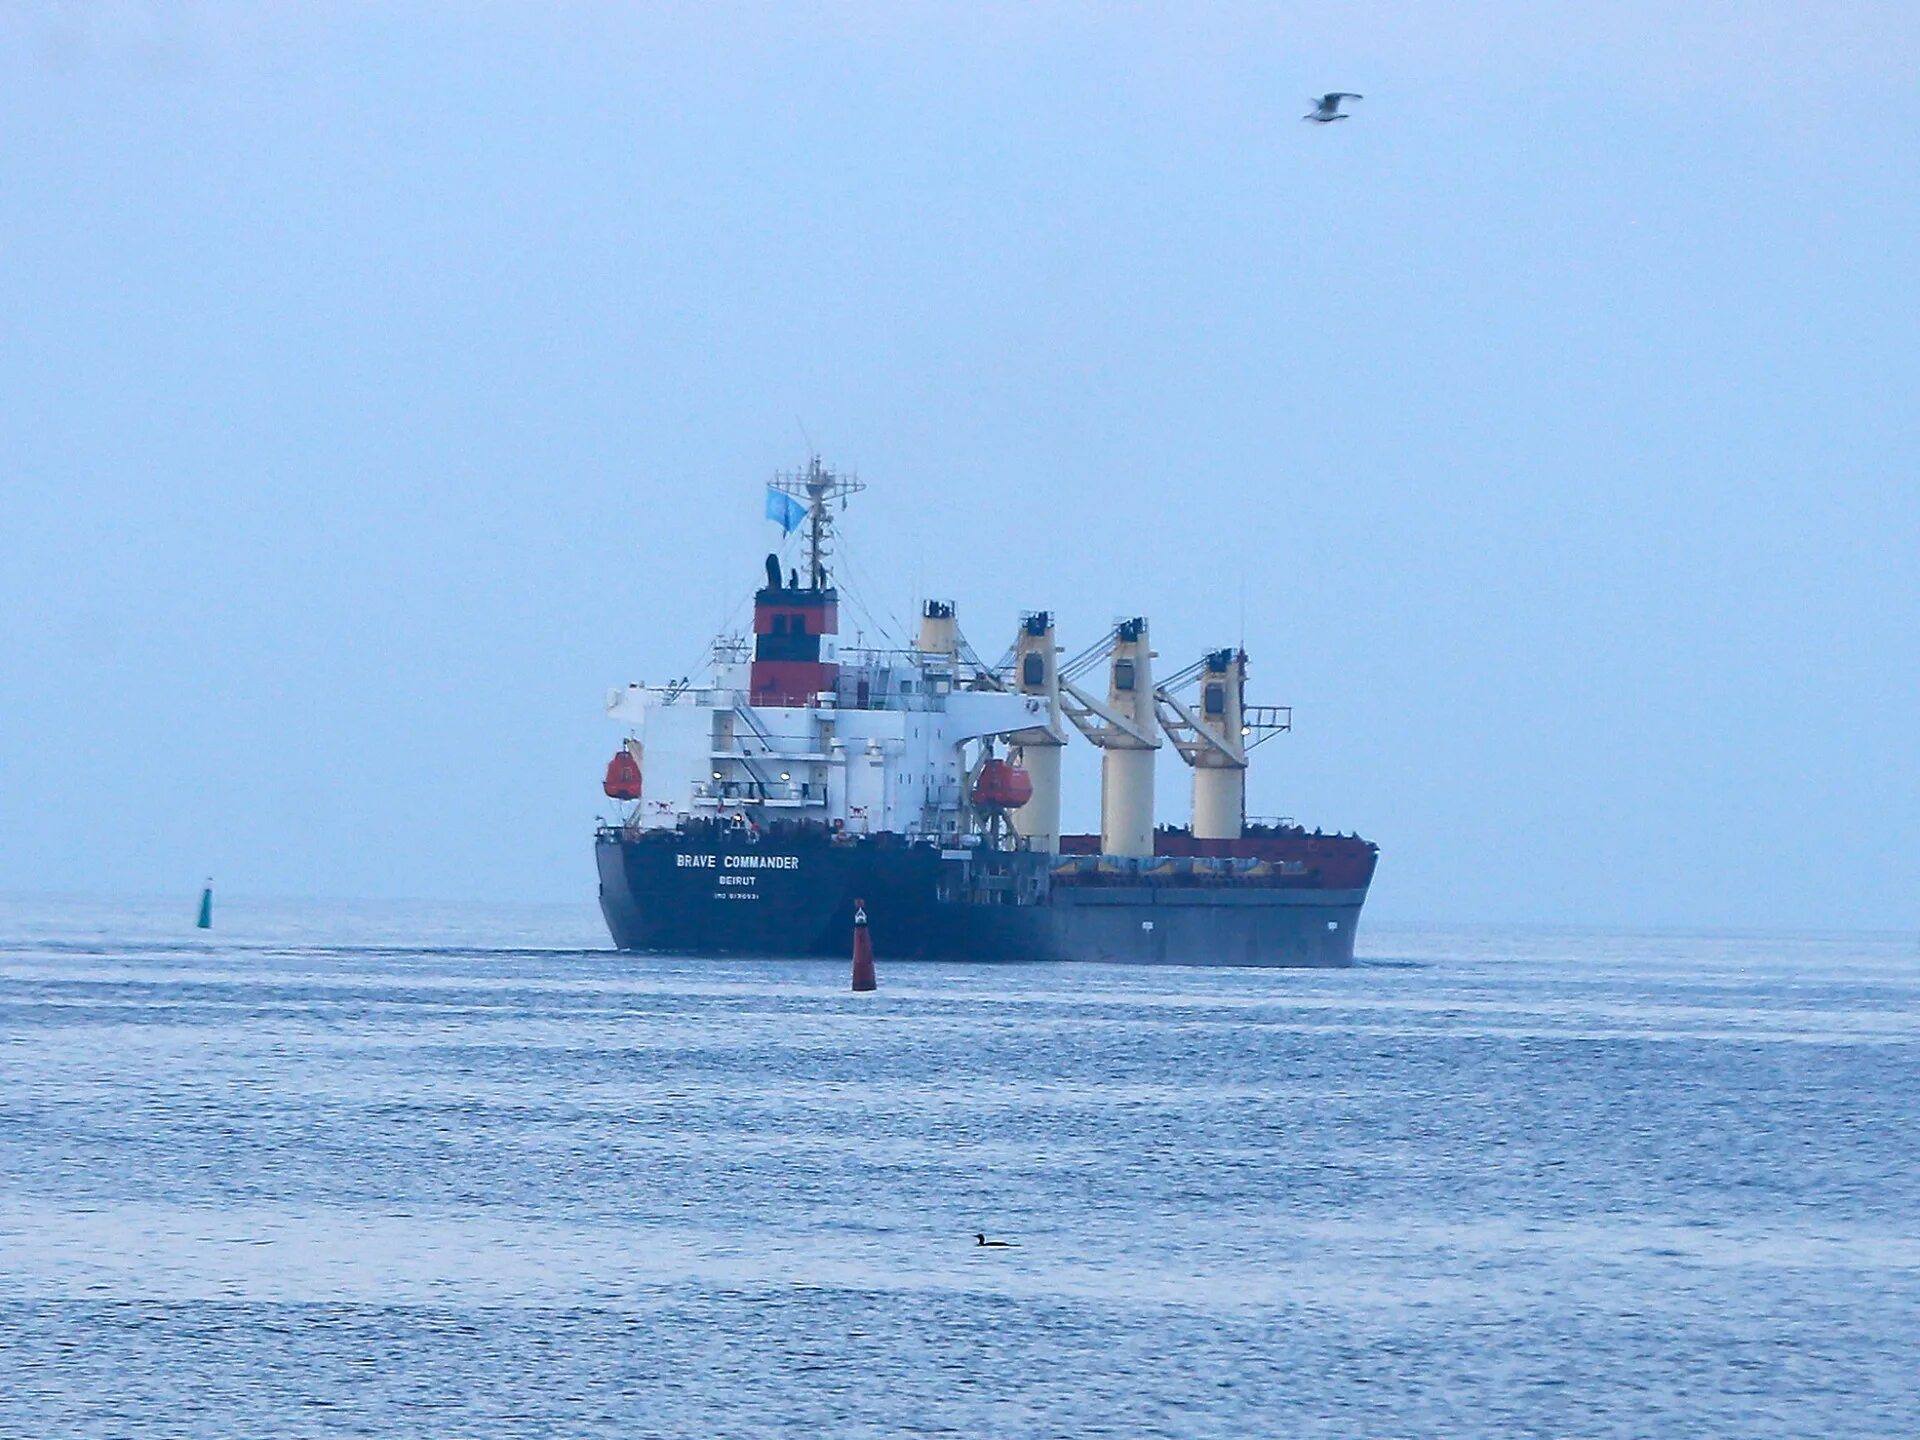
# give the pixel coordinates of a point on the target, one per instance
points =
(793, 725)
(888, 748)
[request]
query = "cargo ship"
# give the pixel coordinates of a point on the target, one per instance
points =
(802, 777)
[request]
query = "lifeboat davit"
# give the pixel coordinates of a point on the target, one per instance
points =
(623, 776)
(1002, 786)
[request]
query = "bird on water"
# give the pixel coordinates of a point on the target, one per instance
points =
(979, 1240)
(1326, 109)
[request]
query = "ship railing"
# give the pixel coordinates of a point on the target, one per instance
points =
(702, 696)
(751, 794)
(607, 830)
(1263, 721)
(1187, 871)
(693, 695)
(851, 695)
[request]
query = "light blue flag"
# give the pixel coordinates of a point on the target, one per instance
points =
(785, 511)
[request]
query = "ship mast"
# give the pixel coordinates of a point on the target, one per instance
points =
(817, 485)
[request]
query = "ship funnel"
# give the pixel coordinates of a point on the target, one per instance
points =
(1036, 671)
(939, 631)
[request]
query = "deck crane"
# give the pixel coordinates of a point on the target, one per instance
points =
(1124, 727)
(1215, 739)
(1034, 664)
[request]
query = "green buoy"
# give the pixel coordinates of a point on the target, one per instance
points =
(206, 907)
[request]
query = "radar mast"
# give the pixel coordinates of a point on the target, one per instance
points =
(817, 486)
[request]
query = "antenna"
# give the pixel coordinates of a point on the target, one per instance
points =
(817, 486)
(802, 426)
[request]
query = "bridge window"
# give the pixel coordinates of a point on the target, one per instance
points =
(1123, 674)
(1033, 671)
(1216, 700)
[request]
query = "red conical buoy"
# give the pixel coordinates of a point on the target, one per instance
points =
(863, 976)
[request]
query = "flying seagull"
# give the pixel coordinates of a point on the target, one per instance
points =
(1327, 108)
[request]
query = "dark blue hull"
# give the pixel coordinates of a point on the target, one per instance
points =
(670, 894)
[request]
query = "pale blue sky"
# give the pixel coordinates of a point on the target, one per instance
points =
(380, 383)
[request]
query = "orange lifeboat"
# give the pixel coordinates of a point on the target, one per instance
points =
(623, 776)
(1002, 786)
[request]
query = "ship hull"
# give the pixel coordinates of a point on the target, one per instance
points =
(663, 896)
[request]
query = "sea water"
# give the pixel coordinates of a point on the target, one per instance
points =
(336, 1170)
